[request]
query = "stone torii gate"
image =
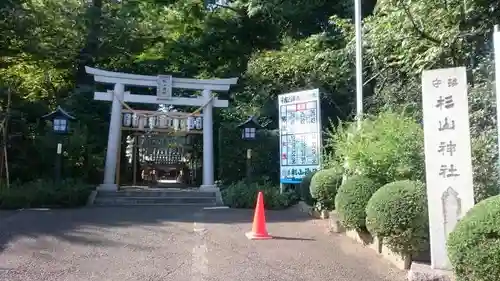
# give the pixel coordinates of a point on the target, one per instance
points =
(164, 85)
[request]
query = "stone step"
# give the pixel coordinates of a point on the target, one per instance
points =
(155, 194)
(126, 201)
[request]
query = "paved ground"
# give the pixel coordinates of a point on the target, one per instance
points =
(177, 244)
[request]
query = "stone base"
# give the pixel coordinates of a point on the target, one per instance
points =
(324, 214)
(376, 245)
(360, 237)
(334, 224)
(424, 272)
(107, 187)
(208, 187)
(218, 195)
(303, 207)
(91, 199)
(318, 214)
(400, 261)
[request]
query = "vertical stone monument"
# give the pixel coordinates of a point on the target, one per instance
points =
(448, 161)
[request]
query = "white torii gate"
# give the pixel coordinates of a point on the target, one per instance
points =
(164, 85)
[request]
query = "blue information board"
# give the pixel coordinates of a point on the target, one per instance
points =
(300, 135)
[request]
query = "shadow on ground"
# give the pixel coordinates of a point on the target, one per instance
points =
(77, 225)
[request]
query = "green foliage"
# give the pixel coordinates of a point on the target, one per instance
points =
(351, 200)
(232, 152)
(324, 185)
(272, 46)
(387, 147)
(397, 213)
(243, 195)
(403, 38)
(45, 193)
(474, 244)
(304, 189)
(483, 128)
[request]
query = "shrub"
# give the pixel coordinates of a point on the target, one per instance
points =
(351, 201)
(324, 185)
(231, 166)
(397, 212)
(242, 195)
(387, 147)
(474, 244)
(45, 193)
(304, 189)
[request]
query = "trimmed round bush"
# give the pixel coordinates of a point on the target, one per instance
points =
(351, 200)
(304, 189)
(474, 244)
(324, 185)
(397, 213)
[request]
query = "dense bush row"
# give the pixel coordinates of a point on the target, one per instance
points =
(45, 193)
(244, 195)
(373, 181)
(382, 192)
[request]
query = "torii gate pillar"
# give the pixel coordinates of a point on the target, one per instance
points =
(113, 140)
(164, 84)
(208, 143)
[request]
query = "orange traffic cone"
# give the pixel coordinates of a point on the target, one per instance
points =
(259, 230)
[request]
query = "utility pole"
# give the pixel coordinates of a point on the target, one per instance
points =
(359, 61)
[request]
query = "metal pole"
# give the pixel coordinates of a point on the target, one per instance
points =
(496, 44)
(249, 166)
(58, 163)
(359, 61)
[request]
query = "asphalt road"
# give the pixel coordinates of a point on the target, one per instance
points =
(177, 244)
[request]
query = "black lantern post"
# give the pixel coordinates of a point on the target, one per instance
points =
(249, 130)
(60, 126)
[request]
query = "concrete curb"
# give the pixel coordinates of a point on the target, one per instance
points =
(424, 272)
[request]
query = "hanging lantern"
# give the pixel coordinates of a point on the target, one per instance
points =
(127, 119)
(152, 122)
(162, 121)
(183, 124)
(135, 121)
(199, 123)
(142, 122)
(176, 124)
(169, 122)
(190, 123)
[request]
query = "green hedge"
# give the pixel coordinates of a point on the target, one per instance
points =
(45, 193)
(351, 200)
(243, 195)
(324, 185)
(397, 213)
(304, 189)
(474, 244)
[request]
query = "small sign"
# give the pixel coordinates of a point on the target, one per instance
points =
(164, 87)
(300, 135)
(448, 161)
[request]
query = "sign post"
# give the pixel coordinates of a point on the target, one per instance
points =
(300, 135)
(448, 161)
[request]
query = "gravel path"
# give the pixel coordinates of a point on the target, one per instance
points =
(177, 244)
